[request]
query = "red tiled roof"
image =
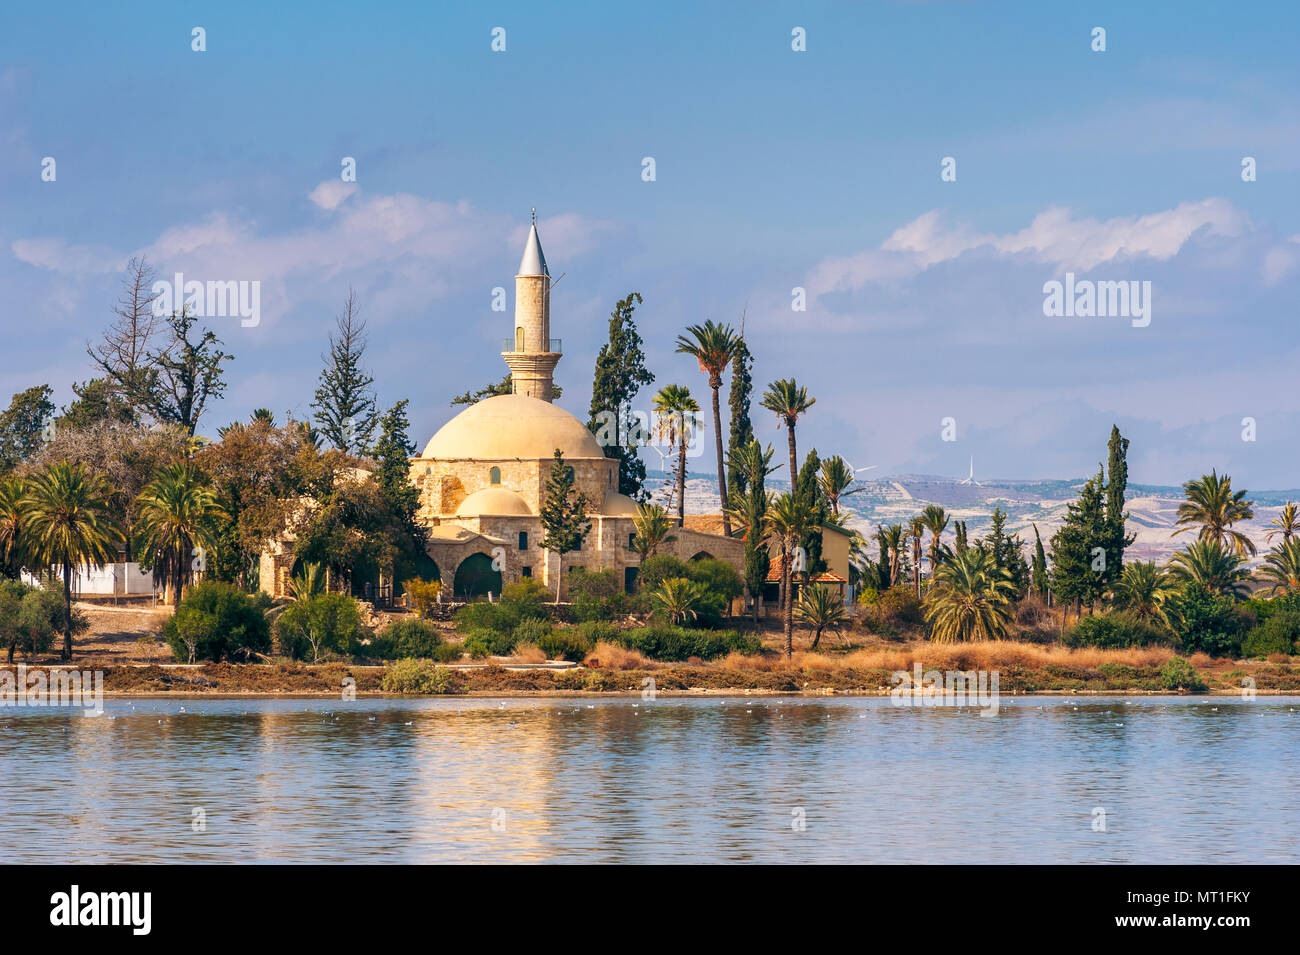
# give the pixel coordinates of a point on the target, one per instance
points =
(825, 577)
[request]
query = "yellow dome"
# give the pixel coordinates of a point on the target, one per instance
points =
(512, 426)
(618, 505)
(494, 502)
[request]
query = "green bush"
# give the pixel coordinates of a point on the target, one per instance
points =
(655, 570)
(1178, 674)
(217, 621)
(1111, 631)
(597, 595)
(403, 639)
(319, 626)
(488, 643)
(523, 600)
(422, 595)
(1206, 622)
(1277, 634)
(593, 631)
(896, 608)
(531, 630)
(567, 643)
(31, 619)
(418, 677)
(681, 643)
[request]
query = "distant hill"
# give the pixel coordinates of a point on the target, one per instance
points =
(895, 499)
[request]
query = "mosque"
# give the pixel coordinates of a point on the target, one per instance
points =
(482, 477)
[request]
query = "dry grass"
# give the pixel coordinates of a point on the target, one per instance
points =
(528, 653)
(968, 656)
(611, 656)
(1200, 660)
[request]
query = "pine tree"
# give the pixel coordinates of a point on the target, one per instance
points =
(620, 373)
(564, 515)
(346, 407)
(1079, 557)
(742, 428)
(392, 454)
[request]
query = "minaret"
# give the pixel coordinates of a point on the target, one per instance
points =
(532, 354)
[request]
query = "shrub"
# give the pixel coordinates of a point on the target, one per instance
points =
(895, 608)
(681, 643)
(721, 585)
(522, 600)
(422, 594)
(532, 630)
(31, 618)
(1206, 622)
(597, 595)
(567, 643)
(1112, 631)
(407, 639)
(594, 631)
(325, 623)
(418, 676)
(217, 621)
(1178, 674)
(488, 643)
(655, 570)
(1277, 634)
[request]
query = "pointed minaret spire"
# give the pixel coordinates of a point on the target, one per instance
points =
(531, 353)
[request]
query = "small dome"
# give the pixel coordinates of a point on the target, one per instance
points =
(618, 505)
(493, 502)
(510, 427)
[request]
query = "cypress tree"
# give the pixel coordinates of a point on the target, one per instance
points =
(620, 373)
(742, 429)
(392, 454)
(1077, 572)
(1116, 486)
(1040, 564)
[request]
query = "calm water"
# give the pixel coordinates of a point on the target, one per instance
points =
(1180, 780)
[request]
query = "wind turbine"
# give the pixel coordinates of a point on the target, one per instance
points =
(970, 479)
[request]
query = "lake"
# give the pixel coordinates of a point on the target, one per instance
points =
(1174, 779)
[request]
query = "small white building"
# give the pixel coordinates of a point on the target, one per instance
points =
(122, 579)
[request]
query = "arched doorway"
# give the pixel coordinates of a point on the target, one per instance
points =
(703, 555)
(475, 577)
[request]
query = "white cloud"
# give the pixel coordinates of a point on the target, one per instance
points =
(331, 192)
(1055, 237)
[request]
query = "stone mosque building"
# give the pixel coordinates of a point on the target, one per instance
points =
(482, 477)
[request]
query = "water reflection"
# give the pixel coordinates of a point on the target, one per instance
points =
(1178, 779)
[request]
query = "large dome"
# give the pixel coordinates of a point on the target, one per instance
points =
(512, 426)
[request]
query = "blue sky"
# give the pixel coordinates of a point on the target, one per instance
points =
(775, 170)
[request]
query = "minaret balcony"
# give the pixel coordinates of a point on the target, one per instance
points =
(555, 346)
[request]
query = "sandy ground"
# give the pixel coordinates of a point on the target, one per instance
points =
(121, 635)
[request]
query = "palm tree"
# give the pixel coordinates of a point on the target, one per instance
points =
(652, 525)
(178, 514)
(675, 410)
(1144, 591)
(713, 346)
(914, 532)
(891, 538)
(820, 609)
(13, 517)
(70, 523)
(1213, 507)
(786, 400)
(1287, 523)
(936, 522)
(1282, 566)
(969, 599)
(1208, 563)
(307, 583)
(787, 520)
(679, 598)
(836, 480)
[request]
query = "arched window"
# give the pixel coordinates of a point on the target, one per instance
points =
(519, 339)
(494, 476)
